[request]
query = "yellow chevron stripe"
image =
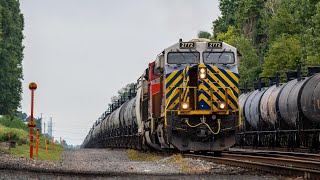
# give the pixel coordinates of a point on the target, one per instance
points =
(233, 76)
(224, 77)
(215, 88)
(233, 86)
(203, 97)
(186, 78)
(186, 95)
(174, 83)
(214, 97)
(223, 86)
(173, 101)
(173, 73)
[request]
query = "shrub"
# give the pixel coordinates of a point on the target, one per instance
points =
(17, 135)
(13, 123)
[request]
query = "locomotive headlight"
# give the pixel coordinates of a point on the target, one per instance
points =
(203, 73)
(202, 70)
(222, 105)
(202, 76)
(184, 105)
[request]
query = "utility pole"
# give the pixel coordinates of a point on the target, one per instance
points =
(41, 123)
(50, 127)
(44, 128)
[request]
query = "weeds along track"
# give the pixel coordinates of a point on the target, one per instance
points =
(293, 164)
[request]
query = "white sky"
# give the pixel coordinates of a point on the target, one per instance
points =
(80, 52)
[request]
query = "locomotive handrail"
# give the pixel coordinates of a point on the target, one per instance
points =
(195, 106)
(215, 133)
(238, 108)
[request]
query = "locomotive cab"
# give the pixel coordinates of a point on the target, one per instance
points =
(194, 96)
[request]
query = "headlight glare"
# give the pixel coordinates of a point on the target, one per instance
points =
(222, 105)
(202, 76)
(202, 70)
(203, 73)
(184, 105)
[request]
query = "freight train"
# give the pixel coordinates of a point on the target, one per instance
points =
(282, 115)
(186, 100)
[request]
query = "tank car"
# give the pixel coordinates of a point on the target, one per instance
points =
(285, 115)
(186, 100)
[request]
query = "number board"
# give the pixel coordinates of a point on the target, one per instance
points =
(214, 45)
(187, 45)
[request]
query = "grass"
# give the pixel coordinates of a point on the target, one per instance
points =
(140, 156)
(23, 149)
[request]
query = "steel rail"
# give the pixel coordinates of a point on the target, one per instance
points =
(279, 161)
(263, 166)
(266, 154)
(294, 154)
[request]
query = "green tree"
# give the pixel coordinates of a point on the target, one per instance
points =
(247, 15)
(273, 34)
(204, 34)
(227, 8)
(249, 64)
(313, 39)
(283, 21)
(21, 115)
(11, 55)
(284, 55)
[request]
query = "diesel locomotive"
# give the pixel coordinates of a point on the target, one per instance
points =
(186, 100)
(283, 115)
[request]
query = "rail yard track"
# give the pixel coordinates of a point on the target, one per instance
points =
(284, 163)
(268, 153)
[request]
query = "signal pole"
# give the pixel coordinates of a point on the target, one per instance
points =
(32, 123)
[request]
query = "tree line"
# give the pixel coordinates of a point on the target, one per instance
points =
(11, 55)
(273, 36)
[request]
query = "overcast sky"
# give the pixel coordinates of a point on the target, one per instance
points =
(80, 52)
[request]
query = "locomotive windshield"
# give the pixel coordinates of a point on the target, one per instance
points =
(183, 57)
(218, 57)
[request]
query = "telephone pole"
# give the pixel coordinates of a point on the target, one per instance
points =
(50, 127)
(44, 128)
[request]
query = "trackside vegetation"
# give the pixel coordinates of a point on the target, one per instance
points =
(273, 36)
(23, 151)
(19, 133)
(11, 55)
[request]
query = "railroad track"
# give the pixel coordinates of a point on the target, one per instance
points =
(294, 155)
(282, 149)
(285, 164)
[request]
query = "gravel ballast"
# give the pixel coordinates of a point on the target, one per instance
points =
(115, 164)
